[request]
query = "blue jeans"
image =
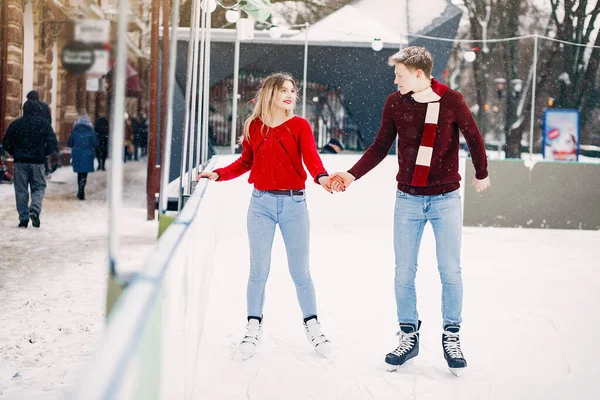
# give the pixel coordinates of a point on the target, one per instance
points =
(410, 216)
(264, 213)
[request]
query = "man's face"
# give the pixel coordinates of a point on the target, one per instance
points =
(407, 79)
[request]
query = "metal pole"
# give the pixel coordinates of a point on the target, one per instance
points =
(166, 164)
(115, 176)
(236, 80)
(151, 181)
(533, 84)
(188, 90)
(166, 6)
(200, 91)
(206, 110)
(194, 97)
(305, 70)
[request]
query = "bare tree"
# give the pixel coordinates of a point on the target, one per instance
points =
(501, 19)
(573, 74)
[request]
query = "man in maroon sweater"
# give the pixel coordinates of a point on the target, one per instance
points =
(425, 116)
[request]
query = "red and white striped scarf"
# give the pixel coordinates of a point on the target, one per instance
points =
(432, 98)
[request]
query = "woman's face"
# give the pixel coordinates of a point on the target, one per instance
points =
(285, 96)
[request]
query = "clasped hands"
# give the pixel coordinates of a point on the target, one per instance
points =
(336, 182)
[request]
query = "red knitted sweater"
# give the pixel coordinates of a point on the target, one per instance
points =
(274, 156)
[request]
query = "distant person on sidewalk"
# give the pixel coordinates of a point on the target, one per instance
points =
(334, 146)
(83, 142)
(101, 128)
(29, 139)
(51, 160)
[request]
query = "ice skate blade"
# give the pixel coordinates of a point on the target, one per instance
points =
(394, 368)
(324, 349)
(247, 350)
(457, 371)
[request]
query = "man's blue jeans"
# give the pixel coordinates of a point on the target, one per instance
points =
(264, 213)
(410, 216)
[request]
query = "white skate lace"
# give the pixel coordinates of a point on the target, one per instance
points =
(452, 344)
(405, 342)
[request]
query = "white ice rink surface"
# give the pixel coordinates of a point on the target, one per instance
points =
(531, 319)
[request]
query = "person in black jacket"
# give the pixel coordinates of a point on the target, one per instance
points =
(29, 139)
(50, 163)
(101, 127)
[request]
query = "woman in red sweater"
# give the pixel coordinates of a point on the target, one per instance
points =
(274, 144)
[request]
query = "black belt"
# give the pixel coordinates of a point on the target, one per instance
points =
(286, 192)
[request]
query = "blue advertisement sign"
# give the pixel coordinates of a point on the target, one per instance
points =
(561, 135)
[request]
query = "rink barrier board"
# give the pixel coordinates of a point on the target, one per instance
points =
(544, 194)
(149, 347)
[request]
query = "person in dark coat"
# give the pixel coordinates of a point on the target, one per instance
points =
(82, 142)
(29, 140)
(143, 126)
(51, 163)
(45, 109)
(101, 128)
(334, 146)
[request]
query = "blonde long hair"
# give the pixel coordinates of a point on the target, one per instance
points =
(264, 100)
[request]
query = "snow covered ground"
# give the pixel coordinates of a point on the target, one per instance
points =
(530, 309)
(53, 279)
(530, 312)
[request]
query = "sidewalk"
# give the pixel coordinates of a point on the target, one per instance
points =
(53, 279)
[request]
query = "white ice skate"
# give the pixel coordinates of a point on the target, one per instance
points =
(252, 339)
(316, 338)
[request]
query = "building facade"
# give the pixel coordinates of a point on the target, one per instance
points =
(32, 35)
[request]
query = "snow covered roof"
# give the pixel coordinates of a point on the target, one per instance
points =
(364, 20)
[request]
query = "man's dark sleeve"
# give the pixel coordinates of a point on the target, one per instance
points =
(7, 140)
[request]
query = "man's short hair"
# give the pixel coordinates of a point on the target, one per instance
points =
(33, 96)
(414, 58)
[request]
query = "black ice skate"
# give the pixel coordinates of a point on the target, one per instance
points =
(452, 353)
(408, 347)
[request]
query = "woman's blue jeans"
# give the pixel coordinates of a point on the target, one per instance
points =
(265, 212)
(410, 216)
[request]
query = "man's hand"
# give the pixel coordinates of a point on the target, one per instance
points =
(341, 180)
(481, 184)
(213, 176)
(326, 183)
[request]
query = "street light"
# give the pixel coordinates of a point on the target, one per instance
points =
(517, 87)
(469, 56)
(377, 44)
(275, 32)
(232, 15)
(209, 5)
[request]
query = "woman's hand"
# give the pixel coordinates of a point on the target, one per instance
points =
(326, 183)
(213, 176)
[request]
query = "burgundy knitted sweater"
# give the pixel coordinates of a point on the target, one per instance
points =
(404, 118)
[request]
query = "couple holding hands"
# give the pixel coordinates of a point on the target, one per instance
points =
(425, 116)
